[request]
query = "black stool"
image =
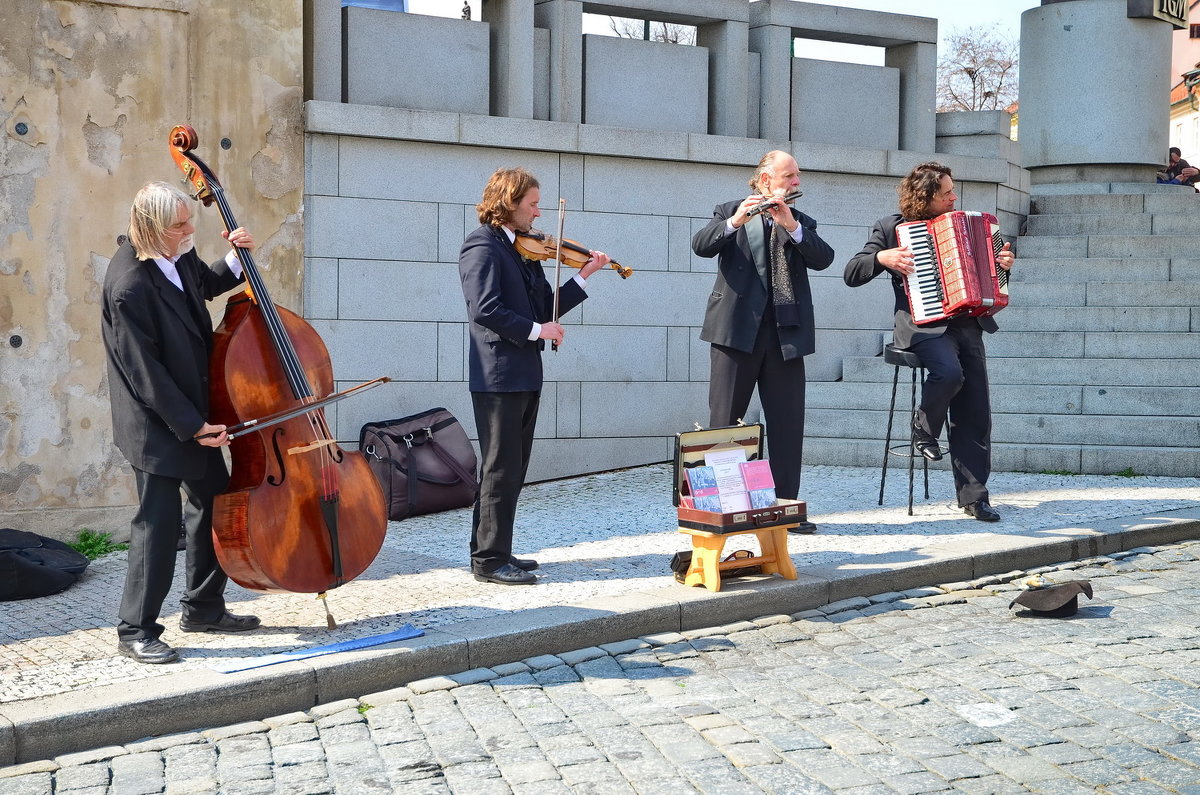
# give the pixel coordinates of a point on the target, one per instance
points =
(899, 357)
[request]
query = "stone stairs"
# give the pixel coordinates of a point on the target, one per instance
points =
(1096, 367)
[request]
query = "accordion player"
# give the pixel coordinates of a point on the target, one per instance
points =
(955, 272)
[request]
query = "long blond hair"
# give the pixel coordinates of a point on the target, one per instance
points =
(154, 209)
(502, 194)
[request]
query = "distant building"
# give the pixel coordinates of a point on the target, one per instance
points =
(1185, 87)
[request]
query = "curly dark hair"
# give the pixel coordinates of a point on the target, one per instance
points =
(503, 192)
(918, 189)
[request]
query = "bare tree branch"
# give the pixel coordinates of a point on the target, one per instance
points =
(658, 31)
(979, 72)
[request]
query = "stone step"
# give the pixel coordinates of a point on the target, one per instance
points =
(1083, 372)
(1166, 401)
(1096, 318)
(1095, 345)
(1090, 224)
(1101, 188)
(1142, 246)
(1083, 269)
(1097, 293)
(1026, 428)
(1111, 203)
(1077, 458)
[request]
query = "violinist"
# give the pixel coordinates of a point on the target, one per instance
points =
(157, 339)
(759, 318)
(510, 309)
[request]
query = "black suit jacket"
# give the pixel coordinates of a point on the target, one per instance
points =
(739, 296)
(157, 339)
(506, 295)
(865, 266)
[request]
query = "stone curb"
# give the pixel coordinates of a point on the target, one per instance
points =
(116, 714)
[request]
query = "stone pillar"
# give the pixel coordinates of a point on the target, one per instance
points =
(773, 43)
(1095, 92)
(323, 50)
(511, 57)
(917, 62)
(728, 75)
(564, 18)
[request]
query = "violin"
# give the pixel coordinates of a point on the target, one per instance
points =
(537, 245)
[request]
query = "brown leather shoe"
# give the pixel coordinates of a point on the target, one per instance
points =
(228, 622)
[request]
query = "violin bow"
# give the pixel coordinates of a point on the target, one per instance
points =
(243, 428)
(562, 215)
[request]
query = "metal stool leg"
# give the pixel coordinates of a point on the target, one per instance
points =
(912, 438)
(887, 441)
(924, 460)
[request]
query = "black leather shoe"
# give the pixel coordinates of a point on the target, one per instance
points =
(148, 650)
(524, 564)
(507, 574)
(228, 622)
(982, 511)
(925, 444)
(803, 529)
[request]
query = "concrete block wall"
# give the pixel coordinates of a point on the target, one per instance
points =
(646, 85)
(818, 86)
(390, 195)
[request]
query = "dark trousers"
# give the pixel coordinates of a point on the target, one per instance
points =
(152, 552)
(956, 387)
(505, 422)
(733, 376)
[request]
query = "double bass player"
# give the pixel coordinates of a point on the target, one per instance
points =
(157, 339)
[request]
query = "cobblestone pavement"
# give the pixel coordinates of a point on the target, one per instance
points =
(936, 689)
(601, 535)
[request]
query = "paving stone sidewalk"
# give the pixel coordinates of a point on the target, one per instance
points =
(597, 536)
(938, 689)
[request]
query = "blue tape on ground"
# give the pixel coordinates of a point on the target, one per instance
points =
(404, 633)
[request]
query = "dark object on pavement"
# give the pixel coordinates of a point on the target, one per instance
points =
(32, 565)
(1054, 601)
(227, 622)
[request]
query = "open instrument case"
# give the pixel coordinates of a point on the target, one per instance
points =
(690, 447)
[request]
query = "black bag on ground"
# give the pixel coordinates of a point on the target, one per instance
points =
(425, 462)
(32, 565)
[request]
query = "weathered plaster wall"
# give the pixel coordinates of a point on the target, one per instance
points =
(88, 94)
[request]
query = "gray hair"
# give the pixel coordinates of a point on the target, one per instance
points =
(152, 213)
(766, 166)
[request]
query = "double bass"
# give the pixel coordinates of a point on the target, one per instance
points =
(299, 514)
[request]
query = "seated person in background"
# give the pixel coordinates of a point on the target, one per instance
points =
(1179, 171)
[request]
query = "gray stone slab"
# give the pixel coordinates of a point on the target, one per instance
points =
(361, 350)
(365, 229)
(116, 713)
(1133, 345)
(1078, 204)
(817, 84)
(1084, 269)
(391, 665)
(321, 164)
(431, 291)
(644, 85)
(1140, 294)
(376, 121)
(1182, 461)
(1182, 401)
(381, 48)
(1096, 318)
(1092, 224)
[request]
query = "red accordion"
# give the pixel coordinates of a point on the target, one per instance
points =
(955, 271)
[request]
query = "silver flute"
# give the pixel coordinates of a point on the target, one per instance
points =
(765, 203)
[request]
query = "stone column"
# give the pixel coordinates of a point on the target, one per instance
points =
(773, 43)
(564, 18)
(511, 57)
(728, 75)
(1095, 90)
(917, 62)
